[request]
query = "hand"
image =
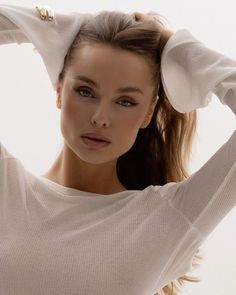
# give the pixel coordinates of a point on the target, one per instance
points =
(165, 33)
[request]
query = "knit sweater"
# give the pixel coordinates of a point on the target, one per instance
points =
(58, 240)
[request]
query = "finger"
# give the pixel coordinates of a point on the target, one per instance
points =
(138, 16)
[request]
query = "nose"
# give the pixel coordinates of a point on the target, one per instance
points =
(100, 118)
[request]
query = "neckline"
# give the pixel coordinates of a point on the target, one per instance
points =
(75, 192)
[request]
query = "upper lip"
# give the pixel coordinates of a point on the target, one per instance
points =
(95, 136)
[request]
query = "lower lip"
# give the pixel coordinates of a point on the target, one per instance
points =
(93, 143)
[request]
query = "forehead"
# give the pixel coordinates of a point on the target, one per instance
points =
(106, 63)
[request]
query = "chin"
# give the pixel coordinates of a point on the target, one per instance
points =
(96, 157)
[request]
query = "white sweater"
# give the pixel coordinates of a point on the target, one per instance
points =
(56, 240)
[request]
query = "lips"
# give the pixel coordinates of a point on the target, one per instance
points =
(95, 137)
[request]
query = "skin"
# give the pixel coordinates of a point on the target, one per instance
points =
(94, 170)
(165, 33)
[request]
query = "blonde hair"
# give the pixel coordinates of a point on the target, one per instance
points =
(161, 151)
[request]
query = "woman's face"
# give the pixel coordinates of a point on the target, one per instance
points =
(118, 114)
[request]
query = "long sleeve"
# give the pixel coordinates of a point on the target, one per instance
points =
(52, 39)
(209, 193)
(10, 33)
(191, 72)
(203, 200)
(226, 91)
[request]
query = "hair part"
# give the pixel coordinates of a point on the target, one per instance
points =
(161, 151)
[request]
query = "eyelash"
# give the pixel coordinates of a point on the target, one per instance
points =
(85, 89)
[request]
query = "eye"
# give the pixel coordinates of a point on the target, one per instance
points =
(128, 102)
(81, 90)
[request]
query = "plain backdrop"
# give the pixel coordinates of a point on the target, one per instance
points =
(30, 121)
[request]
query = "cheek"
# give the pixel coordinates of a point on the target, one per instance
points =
(132, 120)
(71, 118)
(128, 127)
(73, 113)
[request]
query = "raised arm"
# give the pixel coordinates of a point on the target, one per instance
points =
(9, 32)
(226, 91)
(192, 72)
(209, 194)
(52, 39)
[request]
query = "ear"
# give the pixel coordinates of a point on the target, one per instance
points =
(148, 116)
(58, 96)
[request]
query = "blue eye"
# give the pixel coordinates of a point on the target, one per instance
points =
(80, 90)
(128, 103)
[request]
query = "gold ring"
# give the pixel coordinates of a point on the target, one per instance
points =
(45, 12)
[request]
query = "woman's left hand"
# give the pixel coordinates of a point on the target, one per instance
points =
(165, 33)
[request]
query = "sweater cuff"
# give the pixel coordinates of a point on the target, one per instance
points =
(190, 71)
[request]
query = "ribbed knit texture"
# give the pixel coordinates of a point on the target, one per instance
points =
(56, 240)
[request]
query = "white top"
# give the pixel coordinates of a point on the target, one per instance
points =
(191, 72)
(58, 240)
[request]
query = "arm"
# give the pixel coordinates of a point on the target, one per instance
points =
(209, 193)
(226, 91)
(191, 72)
(9, 32)
(52, 39)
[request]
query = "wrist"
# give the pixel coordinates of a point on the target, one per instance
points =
(165, 36)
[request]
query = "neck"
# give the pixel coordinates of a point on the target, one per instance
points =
(70, 171)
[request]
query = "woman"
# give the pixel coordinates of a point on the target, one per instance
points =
(117, 213)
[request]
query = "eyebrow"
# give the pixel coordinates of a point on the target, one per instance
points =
(121, 89)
